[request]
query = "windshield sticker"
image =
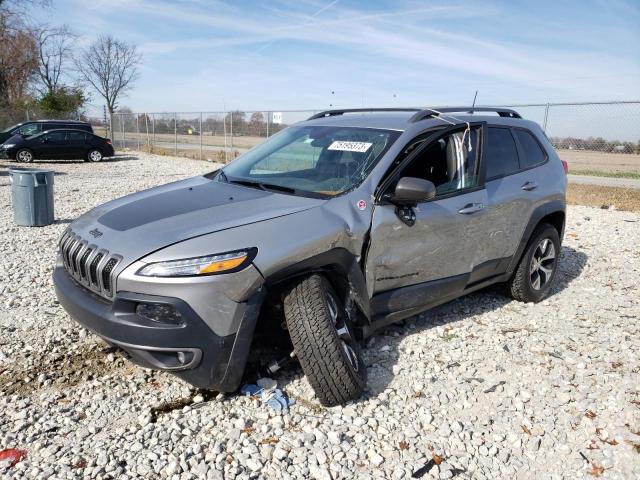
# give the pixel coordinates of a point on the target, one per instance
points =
(360, 147)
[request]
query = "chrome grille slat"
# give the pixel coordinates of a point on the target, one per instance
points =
(82, 263)
(93, 269)
(73, 256)
(90, 265)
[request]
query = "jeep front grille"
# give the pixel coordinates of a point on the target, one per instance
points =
(90, 265)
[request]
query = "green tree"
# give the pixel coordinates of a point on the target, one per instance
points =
(62, 101)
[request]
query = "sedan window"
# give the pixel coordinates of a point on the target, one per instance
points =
(78, 137)
(58, 136)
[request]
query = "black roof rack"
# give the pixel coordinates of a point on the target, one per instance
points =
(342, 111)
(429, 113)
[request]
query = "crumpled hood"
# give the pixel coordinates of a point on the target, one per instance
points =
(141, 223)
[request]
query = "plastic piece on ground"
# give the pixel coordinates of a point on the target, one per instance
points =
(12, 455)
(274, 398)
(250, 389)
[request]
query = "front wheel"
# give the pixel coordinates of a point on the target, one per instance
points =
(94, 155)
(536, 271)
(24, 155)
(323, 340)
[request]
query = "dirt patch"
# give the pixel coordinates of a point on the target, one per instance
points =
(180, 403)
(600, 161)
(63, 370)
(627, 199)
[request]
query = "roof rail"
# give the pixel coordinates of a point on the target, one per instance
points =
(333, 113)
(435, 112)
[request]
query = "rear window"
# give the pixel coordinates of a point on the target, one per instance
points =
(78, 137)
(56, 136)
(500, 153)
(533, 153)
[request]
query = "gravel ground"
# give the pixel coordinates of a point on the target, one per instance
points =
(482, 387)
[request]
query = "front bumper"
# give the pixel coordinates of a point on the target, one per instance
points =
(192, 350)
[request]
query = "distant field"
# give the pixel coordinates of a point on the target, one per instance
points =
(601, 162)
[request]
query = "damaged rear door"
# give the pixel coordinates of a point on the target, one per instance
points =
(421, 254)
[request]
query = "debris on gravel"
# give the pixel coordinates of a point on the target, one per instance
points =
(481, 387)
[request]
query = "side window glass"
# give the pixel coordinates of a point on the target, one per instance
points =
(500, 153)
(450, 163)
(533, 153)
(28, 130)
(76, 137)
(56, 136)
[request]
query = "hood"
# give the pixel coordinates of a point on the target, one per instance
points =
(141, 223)
(9, 138)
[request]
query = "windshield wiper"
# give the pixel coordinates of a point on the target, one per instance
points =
(263, 186)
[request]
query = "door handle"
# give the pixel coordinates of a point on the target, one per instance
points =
(471, 208)
(529, 186)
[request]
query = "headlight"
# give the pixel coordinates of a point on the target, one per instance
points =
(8, 145)
(198, 266)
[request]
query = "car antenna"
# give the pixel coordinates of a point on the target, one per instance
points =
(474, 100)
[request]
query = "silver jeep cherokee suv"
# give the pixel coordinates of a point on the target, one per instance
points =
(338, 225)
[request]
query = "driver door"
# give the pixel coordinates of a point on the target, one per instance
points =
(412, 265)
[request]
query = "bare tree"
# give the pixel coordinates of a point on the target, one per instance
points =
(110, 67)
(55, 46)
(18, 58)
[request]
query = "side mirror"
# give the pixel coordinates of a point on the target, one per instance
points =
(411, 190)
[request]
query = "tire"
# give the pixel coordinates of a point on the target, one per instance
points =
(94, 155)
(24, 155)
(533, 278)
(328, 352)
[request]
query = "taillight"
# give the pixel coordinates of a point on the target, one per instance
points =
(565, 165)
(109, 141)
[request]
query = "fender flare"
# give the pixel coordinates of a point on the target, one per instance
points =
(335, 263)
(555, 206)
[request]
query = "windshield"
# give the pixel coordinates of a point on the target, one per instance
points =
(325, 161)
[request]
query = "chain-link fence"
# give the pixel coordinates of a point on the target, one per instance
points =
(595, 136)
(216, 136)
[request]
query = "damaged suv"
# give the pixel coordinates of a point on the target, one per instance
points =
(334, 227)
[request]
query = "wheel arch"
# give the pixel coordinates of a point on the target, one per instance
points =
(553, 213)
(339, 266)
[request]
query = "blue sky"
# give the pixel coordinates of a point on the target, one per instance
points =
(294, 54)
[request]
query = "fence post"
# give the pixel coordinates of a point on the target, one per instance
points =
(175, 133)
(153, 130)
(224, 128)
(268, 115)
(546, 116)
(146, 124)
(123, 134)
(231, 130)
(138, 130)
(200, 130)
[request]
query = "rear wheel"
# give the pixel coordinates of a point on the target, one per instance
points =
(94, 155)
(323, 340)
(24, 155)
(536, 271)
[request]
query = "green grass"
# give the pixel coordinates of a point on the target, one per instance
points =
(597, 173)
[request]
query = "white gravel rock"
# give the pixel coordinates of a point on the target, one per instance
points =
(494, 388)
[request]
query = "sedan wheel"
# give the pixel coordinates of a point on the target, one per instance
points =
(94, 156)
(24, 156)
